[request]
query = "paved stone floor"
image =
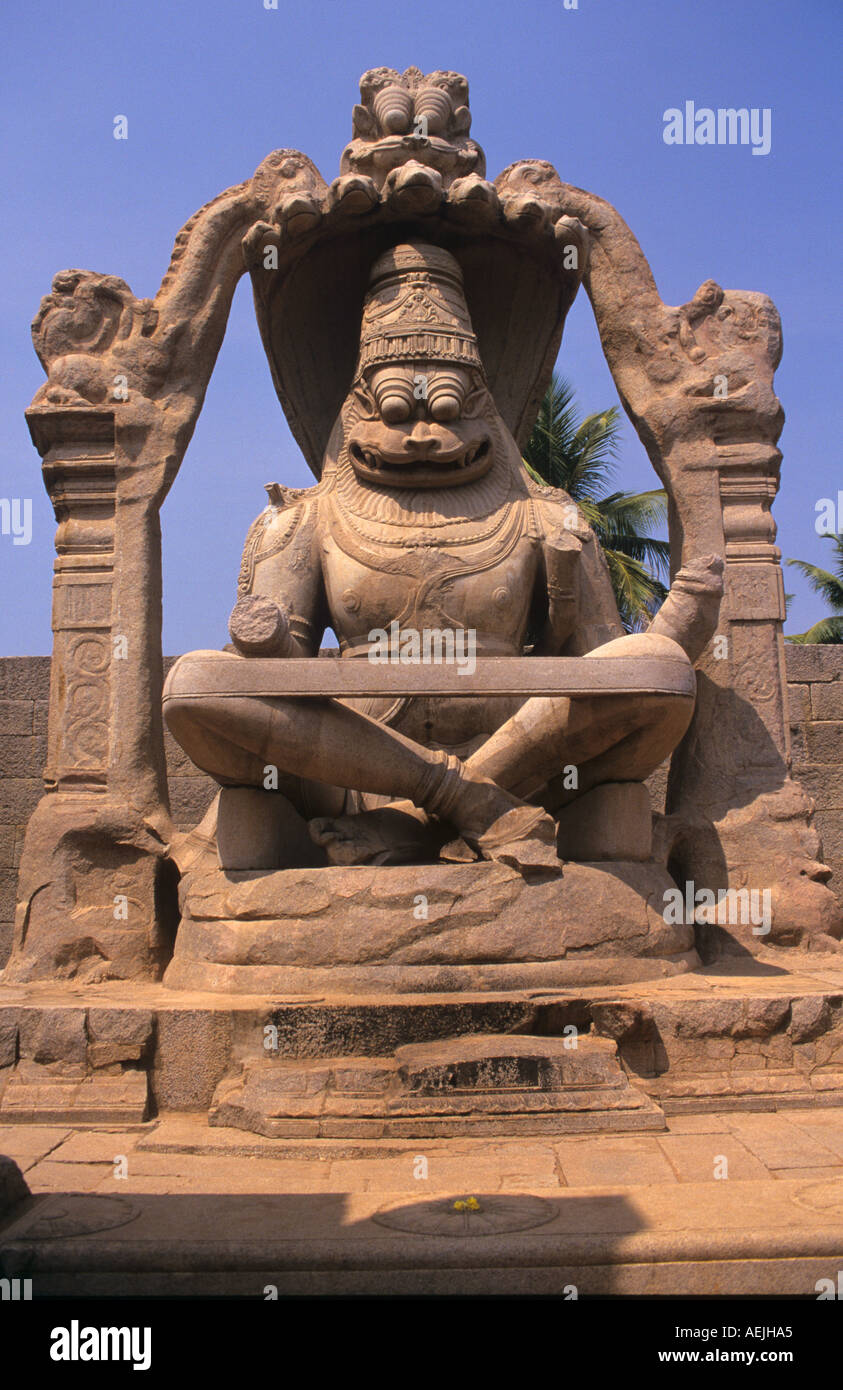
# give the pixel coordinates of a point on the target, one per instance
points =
(735, 1202)
(182, 1154)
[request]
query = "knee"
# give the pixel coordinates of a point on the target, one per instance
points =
(642, 644)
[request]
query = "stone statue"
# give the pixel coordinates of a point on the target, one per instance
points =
(426, 521)
(411, 311)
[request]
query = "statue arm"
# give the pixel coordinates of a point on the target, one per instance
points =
(577, 590)
(281, 608)
(558, 591)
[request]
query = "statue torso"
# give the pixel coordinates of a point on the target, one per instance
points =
(482, 580)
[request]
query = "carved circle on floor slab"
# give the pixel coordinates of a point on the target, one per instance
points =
(825, 1197)
(83, 1215)
(451, 1216)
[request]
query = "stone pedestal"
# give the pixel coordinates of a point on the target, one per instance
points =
(479, 1084)
(416, 929)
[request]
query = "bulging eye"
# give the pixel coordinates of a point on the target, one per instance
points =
(433, 106)
(394, 409)
(444, 406)
(394, 110)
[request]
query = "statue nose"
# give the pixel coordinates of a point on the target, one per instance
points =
(421, 438)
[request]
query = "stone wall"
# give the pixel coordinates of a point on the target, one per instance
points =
(815, 690)
(24, 699)
(815, 676)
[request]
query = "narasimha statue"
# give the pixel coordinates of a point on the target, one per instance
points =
(425, 518)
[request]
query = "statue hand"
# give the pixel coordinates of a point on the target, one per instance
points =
(259, 628)
(689, 613)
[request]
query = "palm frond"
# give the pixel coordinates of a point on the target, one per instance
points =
(828, 631)
(822, 582)
(638, 594)
(580, 456)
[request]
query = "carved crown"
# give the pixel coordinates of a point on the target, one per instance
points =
(415, 310)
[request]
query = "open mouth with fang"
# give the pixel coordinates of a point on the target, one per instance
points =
(428, 466)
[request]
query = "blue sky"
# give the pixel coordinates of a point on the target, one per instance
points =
(210, 87)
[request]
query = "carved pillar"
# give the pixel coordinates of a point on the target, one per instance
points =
(92, 900)
(96, 892)
(77, 448)
(753, 605)
(735, 818)
(738, 744)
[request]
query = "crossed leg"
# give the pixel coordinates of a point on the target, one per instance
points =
(235, 739)
(618, 737)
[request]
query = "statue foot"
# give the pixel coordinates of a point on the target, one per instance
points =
(383, 836)
(524, 838)
(500, 827)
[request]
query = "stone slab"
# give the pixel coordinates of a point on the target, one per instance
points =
(779, 1144)
(699, 1157)
(97, 1099)
(615, 1160)
(197, 676)
(727, 1238)
(813, 662)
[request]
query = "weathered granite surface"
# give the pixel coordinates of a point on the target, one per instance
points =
(815, 690)
(126, 378)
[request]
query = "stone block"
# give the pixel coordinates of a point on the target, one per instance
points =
(808, 1018)
(118, 1035)
(813, 662)
(8, 835)
(799, 703)
(15, 720)
(8, 891)
(40, 716)
(824, 741)
(178, 763)
(827, 700)
(18, 798)
(822, 782)
(483, 1062)
(19, 755)
(656, 785)
(190, 798)
(53, 1035)
(8, 1036)
(25, 678)
(192, 1054)
(829, 823)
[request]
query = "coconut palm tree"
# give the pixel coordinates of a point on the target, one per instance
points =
(579, 456)
(830, 586)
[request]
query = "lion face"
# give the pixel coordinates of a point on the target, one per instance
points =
(420, 425)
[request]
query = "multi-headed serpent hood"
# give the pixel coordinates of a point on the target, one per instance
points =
(411, 173)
